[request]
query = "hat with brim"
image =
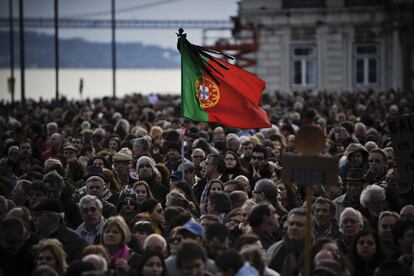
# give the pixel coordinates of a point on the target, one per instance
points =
(70, 147)
(194, 227)
(121, 157)
(94, 170)
(355, 175)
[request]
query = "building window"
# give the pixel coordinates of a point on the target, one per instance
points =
(303, 65)
(366, 64)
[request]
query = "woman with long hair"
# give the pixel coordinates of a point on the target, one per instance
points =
(288, 195)
(233, 165)
(365, 253)
(152, 264)
(49, 252)
(214, 185)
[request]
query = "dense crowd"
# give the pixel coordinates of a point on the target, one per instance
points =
(127, 187)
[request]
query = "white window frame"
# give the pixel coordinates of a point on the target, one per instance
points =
(366, 59)
(304, 60)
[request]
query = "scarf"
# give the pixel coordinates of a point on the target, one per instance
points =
(121, 253)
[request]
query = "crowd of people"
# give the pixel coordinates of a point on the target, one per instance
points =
(127, 187)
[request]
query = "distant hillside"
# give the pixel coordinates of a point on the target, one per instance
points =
(79, 53)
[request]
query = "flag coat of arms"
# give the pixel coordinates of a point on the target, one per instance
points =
(213, 90)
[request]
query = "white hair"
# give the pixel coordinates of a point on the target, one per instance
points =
(351, 210)
(154, 238)
(366, 194)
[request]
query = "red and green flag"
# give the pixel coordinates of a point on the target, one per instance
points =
(213, 90)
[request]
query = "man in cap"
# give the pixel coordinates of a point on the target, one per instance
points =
(191, 231)
(48, 223)
(354, 183)
(145, 169)
(69, 152)
(121, 162)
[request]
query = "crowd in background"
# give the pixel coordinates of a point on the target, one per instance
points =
(126, 187)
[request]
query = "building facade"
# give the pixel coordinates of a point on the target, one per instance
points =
(332, 45)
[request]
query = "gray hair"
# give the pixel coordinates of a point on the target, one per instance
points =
(141, 142)
(90, 198)
(352, 210)
(95, 178)
(366, 194)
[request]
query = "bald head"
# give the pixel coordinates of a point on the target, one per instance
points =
(245, 181)
(97, 261)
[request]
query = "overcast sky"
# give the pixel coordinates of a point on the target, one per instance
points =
(129, 9)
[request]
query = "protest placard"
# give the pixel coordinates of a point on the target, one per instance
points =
(402, 137)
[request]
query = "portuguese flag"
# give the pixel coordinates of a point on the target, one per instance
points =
(213, 90)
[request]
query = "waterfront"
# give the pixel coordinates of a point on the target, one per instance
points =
(96, 82)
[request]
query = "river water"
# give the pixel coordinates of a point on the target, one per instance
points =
(96, 82)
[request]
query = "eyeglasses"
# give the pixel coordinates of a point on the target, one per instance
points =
(89, 210)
